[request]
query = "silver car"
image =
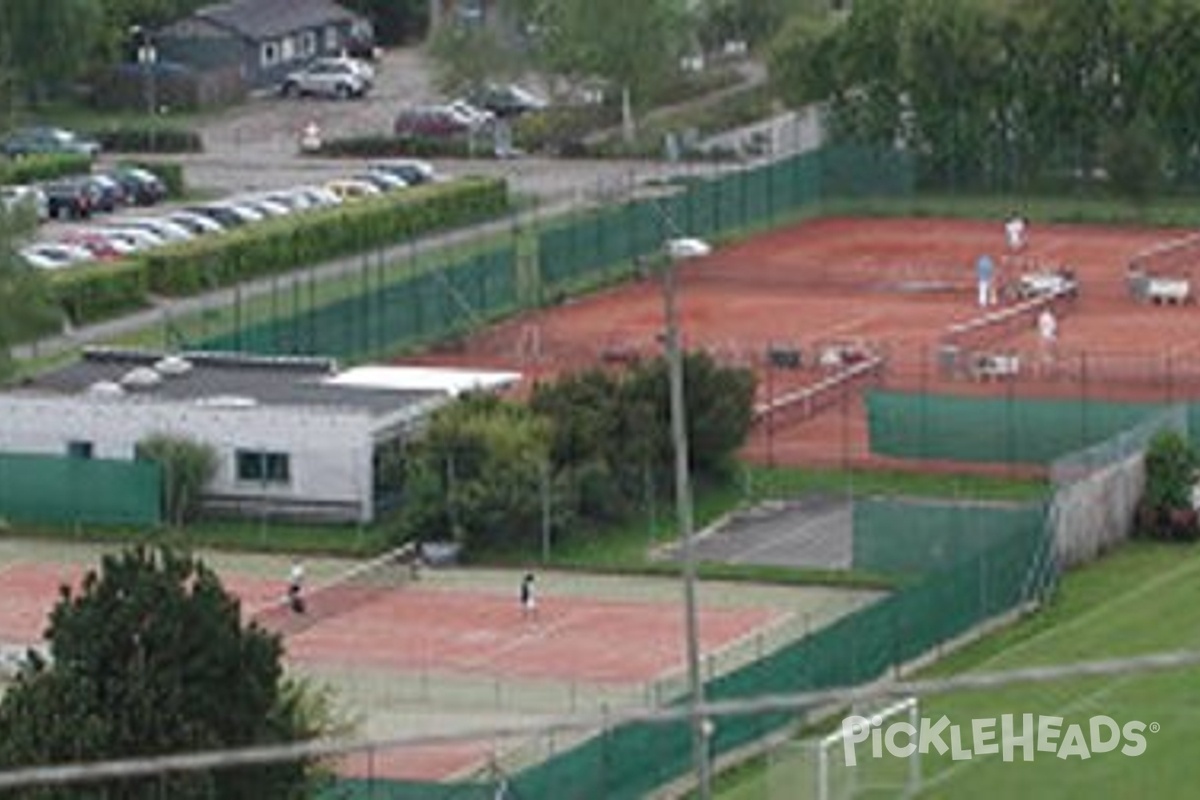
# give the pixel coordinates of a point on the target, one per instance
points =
(342, 78)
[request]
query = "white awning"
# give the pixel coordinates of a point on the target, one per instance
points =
(450, 380)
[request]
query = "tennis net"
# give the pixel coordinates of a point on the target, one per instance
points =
(1175, 256)
(987, 331)
(830, 392)
(351, 590)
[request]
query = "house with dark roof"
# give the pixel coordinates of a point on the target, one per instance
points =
(294, 437)
(265, 39)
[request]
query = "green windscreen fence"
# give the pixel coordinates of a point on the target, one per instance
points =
(1008, 430)
(960, 566)
(429, 305)
(58, 490)
(598, 244)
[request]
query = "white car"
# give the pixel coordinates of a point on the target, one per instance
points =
(198, 224)
(342, 78)
(139, 237)
(55, 255)
(352, 189)
(164, 229)
(481, 117)
(412, 171)
(13, 197)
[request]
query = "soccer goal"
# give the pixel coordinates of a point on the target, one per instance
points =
(817, 769)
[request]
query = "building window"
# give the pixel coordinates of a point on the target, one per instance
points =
(332, 40)
(257, 466)
(270, 53)
(308, 44)
(79, 449)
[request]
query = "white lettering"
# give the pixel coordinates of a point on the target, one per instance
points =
(1048, 733)
(1099, 743)
(983, 731)
(1009, 739)
(1073, 744)
(957, 752)
(907, 729)
(1133, 732)
(933, 733)
(854, 730)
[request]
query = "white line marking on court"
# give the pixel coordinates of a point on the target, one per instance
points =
(848, 325)
(1107, 606)
(1110, 686)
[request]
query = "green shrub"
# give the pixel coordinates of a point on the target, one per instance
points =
(386, 146)
(286, 243)
(149, 139)
(187, 466)
(1165, 510)
(31, 169)
(93, 292)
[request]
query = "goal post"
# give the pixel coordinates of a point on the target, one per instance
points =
(818, 769)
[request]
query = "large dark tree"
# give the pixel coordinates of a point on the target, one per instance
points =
(149, 656)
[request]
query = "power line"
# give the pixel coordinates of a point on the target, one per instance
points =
(583, 723)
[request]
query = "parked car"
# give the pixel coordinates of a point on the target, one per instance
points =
(342, 78)
(14, 197)
(481, 117)
(386, 181)
(43, 140)
(98, 244)
(412, 171)
(68, 200)
(55, 255)
(434, 122)
(164, 229)
(353, 189)
(506, 100)
(142, 187)
(229, 215)
(107, 193)
(198, 224)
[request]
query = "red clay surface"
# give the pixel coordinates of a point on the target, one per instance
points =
(572, 639)
(840, 279)
(429, 631)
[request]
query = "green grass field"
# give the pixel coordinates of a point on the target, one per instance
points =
(1142, 599)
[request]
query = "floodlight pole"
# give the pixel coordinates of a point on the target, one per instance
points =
(683, 508)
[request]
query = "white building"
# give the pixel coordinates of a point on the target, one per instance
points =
(294, 437)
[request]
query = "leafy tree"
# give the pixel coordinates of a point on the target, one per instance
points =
(478, 474)
(1165, 510)
(187, 468)
(26, 298)
(635, 45)
(51, 42)
(395, 21)
(468, 56)
(149, 657)
(1133, 160)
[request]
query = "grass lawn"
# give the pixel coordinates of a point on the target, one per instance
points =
(1142, 599)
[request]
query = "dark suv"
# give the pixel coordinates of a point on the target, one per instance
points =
(68, 200)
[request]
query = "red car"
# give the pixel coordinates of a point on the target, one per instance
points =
(433, 122)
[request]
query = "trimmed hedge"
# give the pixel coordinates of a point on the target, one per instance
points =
(385, 146)
(149, 139)
(98, 291)
(32, 169)
(286, 243)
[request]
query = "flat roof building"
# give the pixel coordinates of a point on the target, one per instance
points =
(294, 437)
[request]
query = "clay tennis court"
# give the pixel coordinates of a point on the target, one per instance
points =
(894, 285)
(453, 649)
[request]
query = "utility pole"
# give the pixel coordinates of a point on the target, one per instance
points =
(683, 507)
